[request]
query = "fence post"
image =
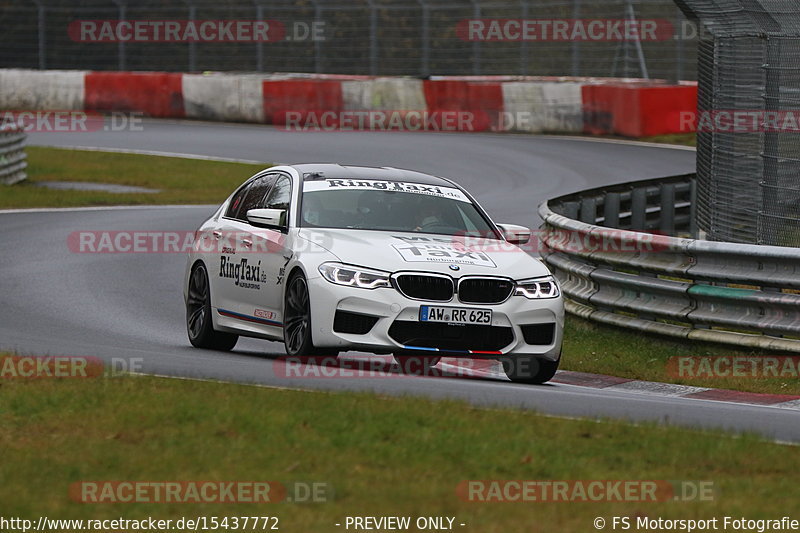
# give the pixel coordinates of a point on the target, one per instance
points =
(122, 15)
(259, 45)
(373, 38)
(576, 50)
(425, 40)
(476, 44)
(192, 47)
(42, 33)
(317, 43)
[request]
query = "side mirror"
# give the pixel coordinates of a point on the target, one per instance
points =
(268, 218)
(515, 234)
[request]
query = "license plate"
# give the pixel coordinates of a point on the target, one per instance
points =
(454, 315)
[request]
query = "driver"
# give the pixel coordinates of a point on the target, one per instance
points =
(427, 216)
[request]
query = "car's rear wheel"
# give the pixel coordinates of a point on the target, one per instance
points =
(416, 365)
(528, 369)
(297, 319)
(199, 324)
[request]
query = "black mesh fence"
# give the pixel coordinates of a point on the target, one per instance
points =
(371, 37)
(748, 158)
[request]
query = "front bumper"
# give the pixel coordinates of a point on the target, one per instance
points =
(390, 308)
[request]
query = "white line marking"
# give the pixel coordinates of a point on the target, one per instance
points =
(177, 155)
(102, 208)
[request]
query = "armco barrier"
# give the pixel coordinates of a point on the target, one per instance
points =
(738, 294)
(13, 160)
(499, 104)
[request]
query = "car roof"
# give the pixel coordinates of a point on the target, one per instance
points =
(334, 171)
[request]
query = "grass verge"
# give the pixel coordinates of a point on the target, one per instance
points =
(603, 349)
(381, 456)
(180, 181)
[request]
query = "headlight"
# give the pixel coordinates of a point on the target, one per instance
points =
(538, 288)
(349, 276)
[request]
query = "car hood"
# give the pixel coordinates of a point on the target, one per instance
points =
(400, 251)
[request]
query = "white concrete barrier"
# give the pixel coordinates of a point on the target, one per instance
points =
(55, 90)
(542, 107)
(381, 94)
(235, 98)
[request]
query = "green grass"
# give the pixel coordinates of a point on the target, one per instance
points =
(181, 181)
(602, 349)
(382, 456)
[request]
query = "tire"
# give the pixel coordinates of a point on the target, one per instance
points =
(417, 365)
(199, 324)
(532, 370)
(297, 319)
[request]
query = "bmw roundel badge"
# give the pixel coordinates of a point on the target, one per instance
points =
(455, 267)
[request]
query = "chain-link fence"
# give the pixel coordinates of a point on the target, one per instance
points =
(748, 133)
(370, 37)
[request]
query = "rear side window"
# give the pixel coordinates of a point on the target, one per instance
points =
(236, 202)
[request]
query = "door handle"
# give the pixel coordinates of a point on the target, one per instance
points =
(217, 234)
(247, 243)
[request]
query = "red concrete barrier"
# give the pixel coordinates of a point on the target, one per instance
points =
(155, 94)
(310, 98)
(638, 110)
(484, 100)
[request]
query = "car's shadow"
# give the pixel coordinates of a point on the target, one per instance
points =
(351, 366)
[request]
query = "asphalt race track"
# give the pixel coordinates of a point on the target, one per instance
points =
(56, 302)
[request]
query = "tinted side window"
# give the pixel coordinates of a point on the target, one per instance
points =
(236, 202)
(255, 195)
(280, 197)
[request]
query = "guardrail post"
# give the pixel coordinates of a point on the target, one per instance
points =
(693, 209)
(667, 217)
(611, 210)
(589, 211)
(638, 209)
(570, 209)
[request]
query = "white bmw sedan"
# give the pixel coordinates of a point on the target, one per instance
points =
(330, 258)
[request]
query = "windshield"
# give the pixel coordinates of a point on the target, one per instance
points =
(391, 206)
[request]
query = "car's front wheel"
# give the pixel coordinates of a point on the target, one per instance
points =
(297, 318)
(199, 325)
(528, 369)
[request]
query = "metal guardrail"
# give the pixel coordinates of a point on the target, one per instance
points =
(13, 160)
(664, 281)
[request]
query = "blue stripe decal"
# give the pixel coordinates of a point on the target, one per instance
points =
(421, 348)
(248, 318)
(470, 352)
